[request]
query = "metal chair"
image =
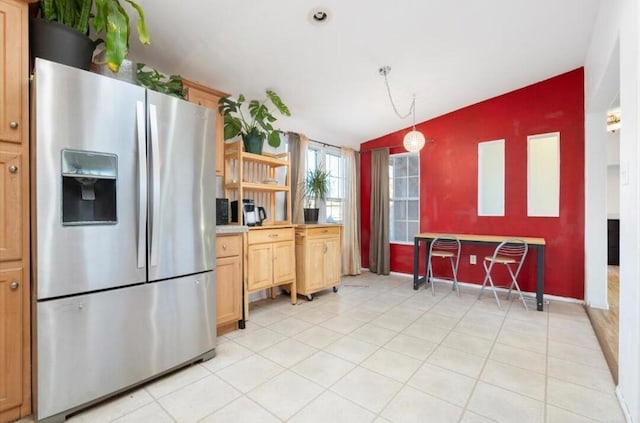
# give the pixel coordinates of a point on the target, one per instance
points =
(444, 247)
(511, 253)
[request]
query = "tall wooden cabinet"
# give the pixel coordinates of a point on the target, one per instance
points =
(318, 258)
(209, 97)
(15, 373)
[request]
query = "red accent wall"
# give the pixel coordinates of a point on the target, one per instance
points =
(448, 180)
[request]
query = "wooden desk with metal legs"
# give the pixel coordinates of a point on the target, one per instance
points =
(534, 243)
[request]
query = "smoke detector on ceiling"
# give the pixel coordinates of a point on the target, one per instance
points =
(319, 15)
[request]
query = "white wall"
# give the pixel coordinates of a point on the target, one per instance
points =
(613, 192)
(614, 44)
(613, 148)
(613, 175)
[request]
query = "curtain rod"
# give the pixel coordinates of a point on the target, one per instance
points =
(429, 141)
(382, 148)
(316, 141)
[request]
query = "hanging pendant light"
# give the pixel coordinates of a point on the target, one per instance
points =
(413, 140)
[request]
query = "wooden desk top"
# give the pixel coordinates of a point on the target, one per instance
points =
(482, 238)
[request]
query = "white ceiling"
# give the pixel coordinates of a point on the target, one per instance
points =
(449, 53)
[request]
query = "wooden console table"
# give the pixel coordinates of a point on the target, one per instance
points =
(535, 243)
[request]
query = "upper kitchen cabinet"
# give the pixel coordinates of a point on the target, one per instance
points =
(13, 64)
(209, 97)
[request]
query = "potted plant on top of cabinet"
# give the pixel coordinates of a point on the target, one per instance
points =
(316, 187)
(258, 127)
(62, 32)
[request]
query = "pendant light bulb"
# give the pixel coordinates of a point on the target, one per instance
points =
(413, 141)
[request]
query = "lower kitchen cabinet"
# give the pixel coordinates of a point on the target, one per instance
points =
(318, 258)
(269, 261)
(11, 343)
(228, 282)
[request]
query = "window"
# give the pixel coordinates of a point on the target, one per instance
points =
(329, 159)
(404, 197)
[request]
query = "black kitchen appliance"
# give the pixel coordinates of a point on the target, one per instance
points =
(261, 214)
(222, 211)
(249, 212)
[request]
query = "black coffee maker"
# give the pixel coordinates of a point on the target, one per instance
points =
(249, 212)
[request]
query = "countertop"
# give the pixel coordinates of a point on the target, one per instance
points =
(231, 229)
(318, 225)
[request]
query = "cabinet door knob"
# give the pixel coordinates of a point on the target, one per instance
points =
(13, 124)
(14, 285)
(224, 247)
(13, 169)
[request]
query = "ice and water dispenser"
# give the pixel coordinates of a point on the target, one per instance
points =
(89, 188)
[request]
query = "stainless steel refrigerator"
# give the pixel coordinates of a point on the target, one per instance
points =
(124, 234)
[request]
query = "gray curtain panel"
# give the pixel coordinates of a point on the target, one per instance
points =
(379, 223)
(351, 261)
(297, 144)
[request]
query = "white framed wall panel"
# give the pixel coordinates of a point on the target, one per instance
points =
(491, 178)
(543, 175)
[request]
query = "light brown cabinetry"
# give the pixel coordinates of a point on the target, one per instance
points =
(209, 97)
(11, 341)
(228, 282)
(318, 258)
(13, 70)
(11, 224)
(270, 261)
(15, 330)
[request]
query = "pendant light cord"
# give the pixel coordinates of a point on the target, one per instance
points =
(413, 140)
(384, 71)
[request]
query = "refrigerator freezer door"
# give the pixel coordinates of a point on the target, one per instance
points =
(182, 192)
(86, 113)
(93, 345)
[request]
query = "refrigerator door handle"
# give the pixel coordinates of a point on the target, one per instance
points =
(142, 187)
(155, 170)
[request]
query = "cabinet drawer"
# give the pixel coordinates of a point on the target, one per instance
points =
(270, 235)
(332, 230)
(229, 245)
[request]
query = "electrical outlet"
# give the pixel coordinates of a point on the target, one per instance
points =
(472, 259)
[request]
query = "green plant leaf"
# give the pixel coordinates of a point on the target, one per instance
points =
(143, 33)
(82, 23)
(156, 81)
(231, 130)
(117, 35)
(48, 10)
(277, 101)
(274, 139)
(100, 19)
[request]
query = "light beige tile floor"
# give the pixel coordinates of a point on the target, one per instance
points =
(378, 351)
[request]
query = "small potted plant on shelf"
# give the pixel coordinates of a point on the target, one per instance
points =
(62, 33)
(259, 124)
(316, 187)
